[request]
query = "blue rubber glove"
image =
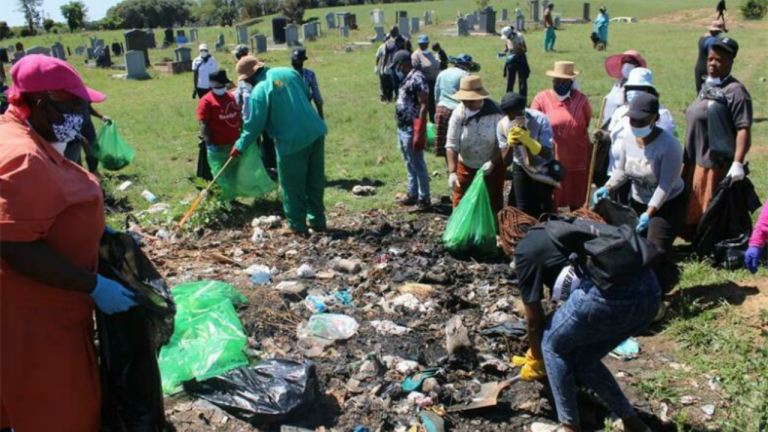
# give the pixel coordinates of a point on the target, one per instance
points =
(752, 258)
(111, 297)
(642, 225)
(601, 193)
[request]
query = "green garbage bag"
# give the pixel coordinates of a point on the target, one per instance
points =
(430, 135)
(208, 339)
(244, 177)
(471, 230)
(111, 149)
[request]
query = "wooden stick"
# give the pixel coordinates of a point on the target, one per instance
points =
(594, 154)
(200, 197)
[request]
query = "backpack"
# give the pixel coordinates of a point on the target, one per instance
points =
(608, 255)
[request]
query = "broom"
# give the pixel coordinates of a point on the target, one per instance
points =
(200, 197)
(594, 156)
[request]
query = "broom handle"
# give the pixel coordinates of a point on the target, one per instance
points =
(594, 154)
(200, 197)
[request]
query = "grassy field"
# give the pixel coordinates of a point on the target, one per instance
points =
(158, 118)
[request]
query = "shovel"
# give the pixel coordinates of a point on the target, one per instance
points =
(487, 396)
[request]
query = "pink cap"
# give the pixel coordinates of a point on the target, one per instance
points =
(40, 73)
(613, 63)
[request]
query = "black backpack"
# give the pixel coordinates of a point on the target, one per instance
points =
(608, 255)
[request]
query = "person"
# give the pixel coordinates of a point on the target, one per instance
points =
(51, 222)
(471, 144)
(549, 28)
(394, 42)
(240, 51)
(618, 67)
(569, 114)
(425, 61)
(3, 96)
(280, 105)
(530, 132)
(219, 116)
(721, 11)
(651, 159)
(203, 66)
(246, 80)
(447, 84)
(600, 29)
(298, 57)
(380, 69)
(517, 60)
(718, 133)
(705, 44)
(757, 241)
(411, 118)
(441, 55)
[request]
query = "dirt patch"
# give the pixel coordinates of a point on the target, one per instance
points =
(702, 18)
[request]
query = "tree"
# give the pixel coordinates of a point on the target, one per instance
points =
(31, 11)
(294, 10)
(147, 13)
(48, 24)
(221, 12)
(76, 13)
(5, 31)
(754, 9)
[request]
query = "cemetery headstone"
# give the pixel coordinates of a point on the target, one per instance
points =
(330, 20)
(151, 41)
(57, 50)
(427, 18)
(505, 14)
(181, 33)
(535, 10)
(183, 54)
(11, 49)
(380, 34)
(352, 19)
(344, 31)
(278, 30)
(414, 24)
(99, 43)
(405, 28)
(260, 43)
(520, 22)
(242, 34)
(135, 65)
(103, 58)
(193, 35)
(91, 53)
(488, 21)
(219, 45)
(4, 55)
(318, 28)
(292, 35)
(310, 31)
(399, 14)
(168, 37)
(462, 27)
(79, 51)
(343, 19)
(377, 16)
(586, 15)
(136, 40)
(558, 18)
(470, 21)
(39, 50)
(181, 40)
(117, 49)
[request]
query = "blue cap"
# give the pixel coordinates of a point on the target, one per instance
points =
(466, 60)
(423, 39)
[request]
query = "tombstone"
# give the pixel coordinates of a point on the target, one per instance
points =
(400, 14)
(520, 22)
(535, 11)
(427, 18)
(505, 15)
(352, 19)
(135, 65)
(103, 59)
(310, 31)
(117, 49)
(181, 40)
(151, 41)
(377, 17)
(57, 50)
(586, 15)
(4, 55)
(488, 20)
(193, 35)
(259, 43)
(39, 50)
(19, 47)
(462, 26)
(405, 28)
(471, 22)
(330, 20)
(414, 24)
(99, 43)
(343, 19)
(91, 53)
(168, 37)
(11, 49)
(181, 33)
(242, 35)
(344, 31)
(79, 50)
(183, 54)
(136, 40)
(278, 30)
(292, 35)
(380, 34)
(318, 28)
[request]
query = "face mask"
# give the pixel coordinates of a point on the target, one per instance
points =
(204, 54)
(59, 147)
(626, 68)
(69, 129)
(643, 132)
(219, 91)
(631, 95)
(714, 82)
(563, 90)
(400, 74)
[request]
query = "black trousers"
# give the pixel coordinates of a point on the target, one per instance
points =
(386, 91)
(529, 196)
(518, 68)
(201, 92)
(431, 106)
(268, 155)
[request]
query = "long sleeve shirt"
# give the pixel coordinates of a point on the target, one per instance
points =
(472, 135)
(760, 233)
(448, 82)
(538, 126)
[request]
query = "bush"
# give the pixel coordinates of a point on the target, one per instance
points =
(754, 9)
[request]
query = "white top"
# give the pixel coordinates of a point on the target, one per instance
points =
(473, 137)
(613, 100)
(619, 127)
(204, 69)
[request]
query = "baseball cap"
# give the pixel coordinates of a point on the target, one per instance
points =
(299, 54)
(247, 66)
(203, 47)
(240, 50)
(400, 57)
(642, 106)
(423, 39)
(40, 73)
(727, 44)
(513, 102)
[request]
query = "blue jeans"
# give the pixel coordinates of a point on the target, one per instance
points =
(415, 165)
(587, 327)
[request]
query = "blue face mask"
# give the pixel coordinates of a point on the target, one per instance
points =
(562, 89)
(631, 95)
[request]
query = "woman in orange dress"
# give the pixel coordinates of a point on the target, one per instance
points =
(569, 113)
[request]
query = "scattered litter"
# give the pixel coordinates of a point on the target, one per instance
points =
(628, 350)
(315, 304)
(689, 400)
(125, 185)
(510, 328)
(457, 336)
(343, 297)
(407, 301)
(159, 208)
(385, 327)
(348, 266)
(266, 222)
(291, 287)
(709, 410)
(363, 190)
(258, 236)
(330, 327)
(259, 274)
(305, 272)
(421, 291)
(149, 196)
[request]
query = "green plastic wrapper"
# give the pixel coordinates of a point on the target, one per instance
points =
(208, 339)
(111, 149)
(245, 176)
(430, 135)
(471, 230)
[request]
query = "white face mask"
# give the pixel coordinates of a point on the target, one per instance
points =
(59, 147)
(626, 68)
(219, 91)
(563, 97)
(715, 82)
(631, 95)
(204, 54)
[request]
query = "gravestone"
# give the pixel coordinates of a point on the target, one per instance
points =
(193, 35)
(91, 53)
(259, 43)
(181, 40)
(103, 58)
(4, 55)
(405, 28)
(470, 21)
(380, 34)
(278, 30)
(330, 20)
(79, 51)
(310, 31)
(19, 47)
(168, 37)
(343, 19)
(135, 66)
(377, 16)
(136, 40)
(39, 50)
(117, 49)
(318, 28)
(352, 19)
(344, 31)
(57, 50)
(400, 14)
(292, 35)
(586, 15)
(11, 49)
(99, 43)
(505, 14)
(183, 54)
(414, 24)
(558, 18)
(427, 18)
(219, 45)
(181, 33)
(488, 21)
(462, 26)
(242, 35)
(151, 41)
(520, 22)
(535, 11)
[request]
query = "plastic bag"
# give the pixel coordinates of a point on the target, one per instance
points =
(616, 214)
(244, 177)
(729, 254)
(330, 327)
(472, 226)
(272, 391)
(111, 150)
(430, 135)
(209, 337)
(132, 398)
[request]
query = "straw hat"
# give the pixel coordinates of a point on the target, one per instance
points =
(247, 66)
(471, 88)
(563, 69)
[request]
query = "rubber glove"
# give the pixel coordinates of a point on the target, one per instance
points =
(532, 368)
(419, 135)
(235, 153)
(601, 193)
(521, 361)
(453, 181)
(523, 136)
(752, 258)
(736, 173)
(111, 297)
(487, 168)
(642, 225)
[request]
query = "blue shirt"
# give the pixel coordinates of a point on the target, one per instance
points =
(243, 98)
(537, 124)
(311, 81)
(447, 85)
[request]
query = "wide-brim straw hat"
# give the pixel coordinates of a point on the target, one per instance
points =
(564, 70)
(614, 63)
(471, 88)
(247, 66)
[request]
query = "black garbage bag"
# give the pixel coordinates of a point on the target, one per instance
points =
(729, 254)
(271, 391)
(728, 215)
(616, 214)
(129, 342)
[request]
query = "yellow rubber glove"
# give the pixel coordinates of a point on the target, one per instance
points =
(533, 371)
(521, 361)
(523, 136)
